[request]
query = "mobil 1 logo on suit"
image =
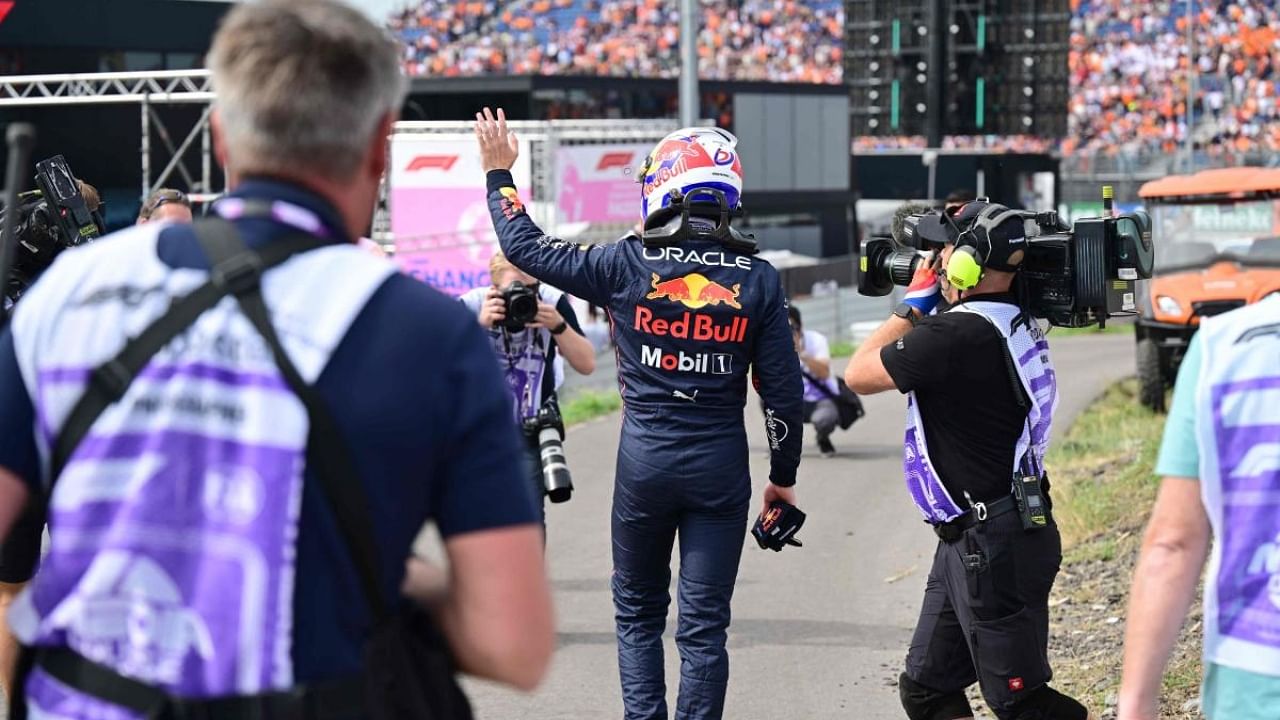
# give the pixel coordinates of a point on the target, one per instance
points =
(704, 363)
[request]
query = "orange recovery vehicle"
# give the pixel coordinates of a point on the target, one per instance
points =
(1217, 248)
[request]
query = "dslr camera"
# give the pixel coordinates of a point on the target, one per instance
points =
(547, 429)
(51, 218)
(1071, 276)
(521, 304)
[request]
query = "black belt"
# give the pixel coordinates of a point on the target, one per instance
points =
(335, 700)
(951, 530)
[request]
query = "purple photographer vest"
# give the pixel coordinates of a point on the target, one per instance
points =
(1035, 371)
(173, 526)
(1238, 433)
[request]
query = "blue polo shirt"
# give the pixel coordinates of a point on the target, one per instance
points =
(415, 389)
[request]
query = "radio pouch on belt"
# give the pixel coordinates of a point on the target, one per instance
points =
(408, 670)
(1032, 507)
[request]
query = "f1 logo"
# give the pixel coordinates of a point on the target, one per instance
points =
(614, 160)
(432, 162)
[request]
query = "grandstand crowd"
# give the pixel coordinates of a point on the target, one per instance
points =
(1129, 61)
(1130, 73)
(776, 40)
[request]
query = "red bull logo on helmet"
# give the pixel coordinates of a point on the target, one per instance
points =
(672, 159)
(695, 290)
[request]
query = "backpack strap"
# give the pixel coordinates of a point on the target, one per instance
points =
(327, 451)
(339, 699)
(109, 381)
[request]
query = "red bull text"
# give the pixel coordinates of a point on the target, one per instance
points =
(691, 326)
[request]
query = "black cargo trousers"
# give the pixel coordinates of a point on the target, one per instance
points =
(985, 618)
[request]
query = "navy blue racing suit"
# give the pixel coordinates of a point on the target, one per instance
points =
(688, 322)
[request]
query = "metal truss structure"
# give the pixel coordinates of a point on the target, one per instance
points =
(545, 138)
(145, 89)
(194, 87)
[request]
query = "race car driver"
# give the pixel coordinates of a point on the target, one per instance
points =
(691, 309)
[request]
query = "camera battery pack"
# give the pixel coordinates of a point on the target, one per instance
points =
(1031, 503)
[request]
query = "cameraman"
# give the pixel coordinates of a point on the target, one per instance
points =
(981, 396)
(529, 355)
(20, 551)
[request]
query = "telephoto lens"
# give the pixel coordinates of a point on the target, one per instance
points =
(555, 470)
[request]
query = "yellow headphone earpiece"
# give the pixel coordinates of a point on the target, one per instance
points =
(964, 271)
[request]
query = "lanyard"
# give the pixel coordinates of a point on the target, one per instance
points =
(524, 405)
(295, 216)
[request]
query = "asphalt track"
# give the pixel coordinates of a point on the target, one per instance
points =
(818, 632)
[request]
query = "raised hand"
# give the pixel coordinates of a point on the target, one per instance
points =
(498, 145)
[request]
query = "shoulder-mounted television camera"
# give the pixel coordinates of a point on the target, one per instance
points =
(51, 218)
(1071, 276)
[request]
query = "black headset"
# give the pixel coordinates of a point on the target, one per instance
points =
(975, 247)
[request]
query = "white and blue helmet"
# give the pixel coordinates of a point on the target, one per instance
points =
(688, 159)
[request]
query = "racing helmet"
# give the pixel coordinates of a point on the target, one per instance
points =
(695, 158)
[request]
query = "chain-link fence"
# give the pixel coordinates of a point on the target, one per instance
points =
(1127, 169)
(843, 315)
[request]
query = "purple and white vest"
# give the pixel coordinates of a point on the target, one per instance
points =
(174, 524)
(1238, 431)
(1035, 371)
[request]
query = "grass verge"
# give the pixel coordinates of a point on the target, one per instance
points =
(1103, 491)
(1102, 471)
(842, 348)
(589, 404)
(1113, 328)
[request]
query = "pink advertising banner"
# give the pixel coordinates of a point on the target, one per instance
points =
(439, 212)
(598, 182)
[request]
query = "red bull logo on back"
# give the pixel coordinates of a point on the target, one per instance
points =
(694, 291)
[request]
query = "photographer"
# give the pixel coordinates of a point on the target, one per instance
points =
(40, 239)
(166, 205)
(981, 395)
(820, 389)
(48, 225)
(529, 348)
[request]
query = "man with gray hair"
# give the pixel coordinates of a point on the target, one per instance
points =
(250, 419)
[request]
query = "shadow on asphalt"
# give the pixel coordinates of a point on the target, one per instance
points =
(778, 632)
(782, 632)
(600, 584)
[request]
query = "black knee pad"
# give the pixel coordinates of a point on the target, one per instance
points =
(1045, 703)
(922, 703)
